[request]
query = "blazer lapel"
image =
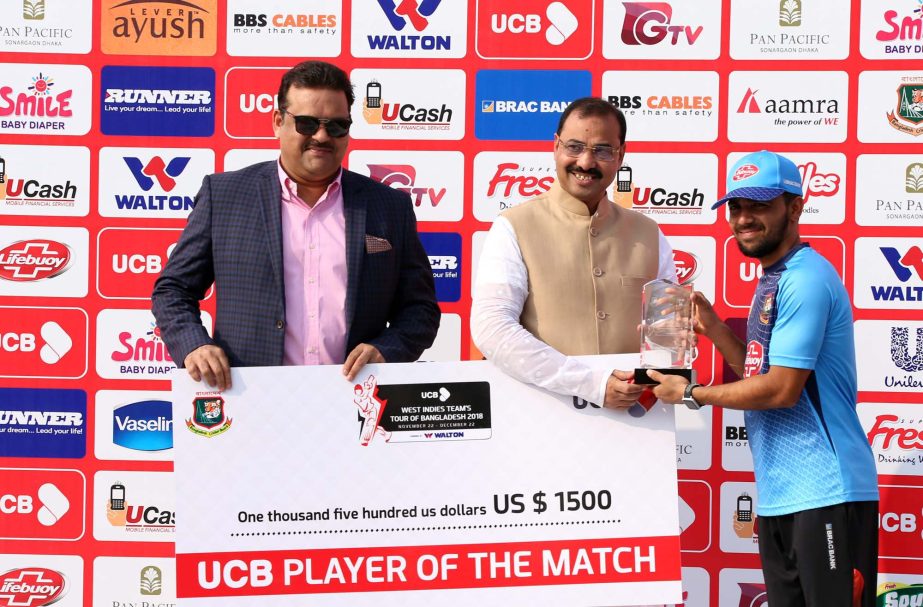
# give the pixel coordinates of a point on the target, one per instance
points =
(354, 209)
(269, 194)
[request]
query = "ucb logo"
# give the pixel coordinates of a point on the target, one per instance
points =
(262, 103)
(580, 403)
(515, 24)
(750, 271)
(900, 349)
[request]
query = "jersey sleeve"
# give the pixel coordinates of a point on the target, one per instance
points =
(804, 304)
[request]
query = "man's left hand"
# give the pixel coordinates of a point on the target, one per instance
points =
(361, 355)
(671, 387)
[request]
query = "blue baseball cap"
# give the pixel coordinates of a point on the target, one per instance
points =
(761, 176)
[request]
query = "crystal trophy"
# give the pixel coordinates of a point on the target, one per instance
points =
(667, 336)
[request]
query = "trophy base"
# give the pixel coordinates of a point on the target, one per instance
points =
(641, 377)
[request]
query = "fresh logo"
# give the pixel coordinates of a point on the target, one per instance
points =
(913, 183)
(909, 110)
(151, 582)
(511, 180)
(34, 260)
(32, 587)
(403, 177)
(900, 349)
(790, 13)
(143, 426)
(648, 23)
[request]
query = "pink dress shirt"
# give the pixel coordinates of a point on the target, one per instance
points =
(314, 271)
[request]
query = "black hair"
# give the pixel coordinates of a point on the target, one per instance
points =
(315, 75)
(594, 106)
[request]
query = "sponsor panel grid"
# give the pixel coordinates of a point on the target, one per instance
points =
(112, 112)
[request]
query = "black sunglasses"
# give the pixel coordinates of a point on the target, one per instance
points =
(308, 125)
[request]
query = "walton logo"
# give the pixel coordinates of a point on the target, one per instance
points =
(32, 587)
(38, 101)
(164, 173)
(402, 177)
(414, 12)
(790, 13)
(900, 349)
(33, 260)
(901, 264)
(750, 105)
(909, 109)
(648, 23)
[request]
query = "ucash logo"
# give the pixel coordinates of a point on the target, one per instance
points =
(159, 27)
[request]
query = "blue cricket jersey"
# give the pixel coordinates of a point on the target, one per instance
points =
(814, 454)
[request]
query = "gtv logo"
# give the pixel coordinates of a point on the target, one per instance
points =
(648, 23)
(157, 169)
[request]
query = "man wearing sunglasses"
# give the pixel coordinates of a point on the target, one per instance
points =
(312, 263)
(561, 275)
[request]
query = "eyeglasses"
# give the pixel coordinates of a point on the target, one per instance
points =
(308, 125)
(575, 149)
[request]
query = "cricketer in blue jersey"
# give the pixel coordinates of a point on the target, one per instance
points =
(815, 474)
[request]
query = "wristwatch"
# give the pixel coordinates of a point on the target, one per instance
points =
(690, 400)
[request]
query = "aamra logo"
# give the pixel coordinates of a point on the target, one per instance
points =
(900, 349)
(33, 260)
(909, 110)
(208, 416)
(649, 23)
(790, 13)
(914, 179)
(403, 177)
(33, 10)
(748, 105)
(32, 586)
(151, 583)
(157, 169)
(751, 105)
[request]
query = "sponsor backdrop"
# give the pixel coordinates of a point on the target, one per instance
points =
(111, 112)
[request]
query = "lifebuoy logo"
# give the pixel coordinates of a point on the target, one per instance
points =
(33, 260)
(44, 99)
(41, 504)
(130, 260)
(661, 30)
(31, 586)
(159, 27)
(523, 29)
(687, 266)
(43, 342)
(753, 359)
(287, 28)
(433, 180)
(44, 180)
(410, 28)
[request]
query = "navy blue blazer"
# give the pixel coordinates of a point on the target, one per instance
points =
(234, 238)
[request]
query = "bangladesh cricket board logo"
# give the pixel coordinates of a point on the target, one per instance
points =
(909, 109)
(208, 416)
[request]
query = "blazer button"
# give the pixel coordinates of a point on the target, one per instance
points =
(601, 315)
(280, 324)
(597, 272)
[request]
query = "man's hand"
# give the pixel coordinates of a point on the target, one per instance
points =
(620, 392)
(359, 357)
(704, 318)
(671, 387)
(211, 363)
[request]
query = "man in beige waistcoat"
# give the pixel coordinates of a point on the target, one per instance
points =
(561, 275)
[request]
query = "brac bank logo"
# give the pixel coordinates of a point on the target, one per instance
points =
(649, 23)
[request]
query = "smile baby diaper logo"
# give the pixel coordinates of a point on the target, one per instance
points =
(44, 100)
(409, 28)
(525, 104)
(158, 101)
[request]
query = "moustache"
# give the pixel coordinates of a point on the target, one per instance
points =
(591, 172)
(316, 145)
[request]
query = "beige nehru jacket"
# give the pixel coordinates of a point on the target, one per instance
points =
(585, 272)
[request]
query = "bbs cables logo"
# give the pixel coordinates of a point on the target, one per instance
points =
(34, 260)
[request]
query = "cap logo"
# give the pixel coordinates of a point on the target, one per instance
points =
(745, 171)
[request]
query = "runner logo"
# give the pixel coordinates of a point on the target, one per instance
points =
(34, 260)
(164, 173)
(648, 23)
